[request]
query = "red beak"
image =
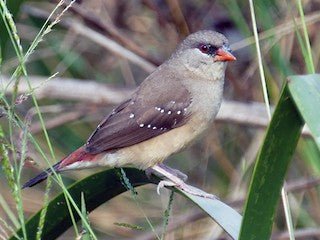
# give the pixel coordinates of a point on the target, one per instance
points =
(224, 54)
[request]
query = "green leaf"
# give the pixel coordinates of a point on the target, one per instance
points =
(270, 169)
(96, 189)
(305, 90)
(224, 215)
(103, 186)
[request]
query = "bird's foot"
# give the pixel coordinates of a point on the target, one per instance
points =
(174, 172)
(164, 183)
(185, 188)
(174, 181)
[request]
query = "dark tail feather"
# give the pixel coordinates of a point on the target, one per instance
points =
(41, 177)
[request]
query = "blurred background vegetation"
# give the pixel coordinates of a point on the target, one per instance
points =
(107, 48)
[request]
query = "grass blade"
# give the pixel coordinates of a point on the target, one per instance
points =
(305, 90)
(225, 216)
(270, 169)
(106, 186)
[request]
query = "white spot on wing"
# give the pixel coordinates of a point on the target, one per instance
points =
(154, 128)
(141, 125)
(162, 111)
(131, 115)
(149, 126)
(169, 112)
(179, 112)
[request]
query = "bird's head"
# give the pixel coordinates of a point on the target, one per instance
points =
(205, 52)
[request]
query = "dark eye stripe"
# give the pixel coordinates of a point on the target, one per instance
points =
(207, 49)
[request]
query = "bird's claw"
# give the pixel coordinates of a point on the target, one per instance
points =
(172, 180)
(174, 172)
(165, 183)
(185, 188)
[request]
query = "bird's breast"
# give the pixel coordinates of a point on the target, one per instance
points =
(206, 99)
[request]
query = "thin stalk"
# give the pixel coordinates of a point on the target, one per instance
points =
(167, 215)
(287, 213)
(261, 70)
(309, 60)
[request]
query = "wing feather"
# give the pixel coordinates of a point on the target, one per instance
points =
(135, 121)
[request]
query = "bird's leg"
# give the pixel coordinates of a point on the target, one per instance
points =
(175, 172)
(166, 168)
(174, 181)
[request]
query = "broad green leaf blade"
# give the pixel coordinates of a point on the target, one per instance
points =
(225, 216)
(305, 91)
(97, 189)
(103, 186)
(270, 169)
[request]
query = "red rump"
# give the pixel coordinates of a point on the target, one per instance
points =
(78, 155)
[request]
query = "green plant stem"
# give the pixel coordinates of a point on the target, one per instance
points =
(262, 76)
(167, 215)
(287, 212)
(309, 60)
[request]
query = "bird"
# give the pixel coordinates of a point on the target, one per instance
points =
(170, 109)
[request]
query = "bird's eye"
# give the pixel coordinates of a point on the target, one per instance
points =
(207, 49)
(204, 48)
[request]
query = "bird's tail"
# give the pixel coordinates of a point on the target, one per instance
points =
(78, 155)
(42, 176)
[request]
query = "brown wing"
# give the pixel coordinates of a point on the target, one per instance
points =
(138, 120)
